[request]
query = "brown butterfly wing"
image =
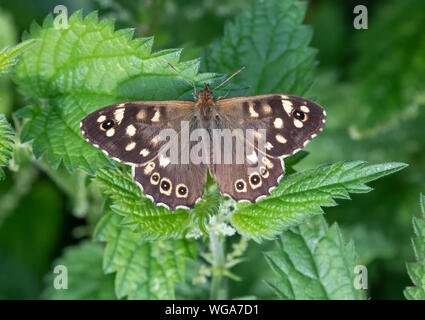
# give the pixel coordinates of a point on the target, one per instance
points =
(134, 140)
(133, 137)
(174, 186)
(248, 181)
(285, 134)
(290, 121)
(173, 180)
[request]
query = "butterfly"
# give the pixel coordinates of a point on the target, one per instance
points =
(131, 133)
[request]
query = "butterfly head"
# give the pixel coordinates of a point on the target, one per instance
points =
(205, 97)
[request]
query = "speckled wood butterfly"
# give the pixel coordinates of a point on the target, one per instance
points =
(130, 132)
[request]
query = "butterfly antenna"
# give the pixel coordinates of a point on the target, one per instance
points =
(192, 84)
(234, 74)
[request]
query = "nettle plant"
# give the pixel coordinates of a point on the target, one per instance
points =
(66, 73)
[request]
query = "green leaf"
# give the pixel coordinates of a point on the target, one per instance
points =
(416, 270)
(313, 262)
(154, 222)
(144, 270)
(293, 160)
(86, 279)
(150, 221)
(272, 42)
(71, 72)
(302, 195)
(396, 81)
(8, 56)
(6, 143)
(8, 36)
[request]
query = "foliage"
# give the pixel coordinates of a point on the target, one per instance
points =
(417, 270)
(382, 119)
(8, 37)
(86, 280)
(396, 79)
(368, 84)
(153, 222)
(301, 195)
(67, 74)
(272, 42)
(144, 270)
(6, 143)
(313, 262)
(8, 56)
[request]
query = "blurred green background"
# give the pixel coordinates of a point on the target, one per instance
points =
(371, 83)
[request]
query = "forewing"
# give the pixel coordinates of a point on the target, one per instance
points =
(290, 121)
(133, 137)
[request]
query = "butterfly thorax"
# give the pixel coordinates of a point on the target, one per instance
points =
(206, 104)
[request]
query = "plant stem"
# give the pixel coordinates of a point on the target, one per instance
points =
(218, 286)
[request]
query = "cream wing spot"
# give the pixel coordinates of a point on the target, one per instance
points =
(131, 130)
(305, 109)
(149, 168)
(101, 119)
(298, 123)
(287, 106)
(266, 108)
(156, 116)
(164, 161)
(267, 163)
(269, 146)
(252, 112)
(252, 158)
(141, 115)
(110, 132)
(130, 146)
(280, 139)
(278, 123)
(155, 140)
(144, 152)
(257, 135)
(119, 114)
